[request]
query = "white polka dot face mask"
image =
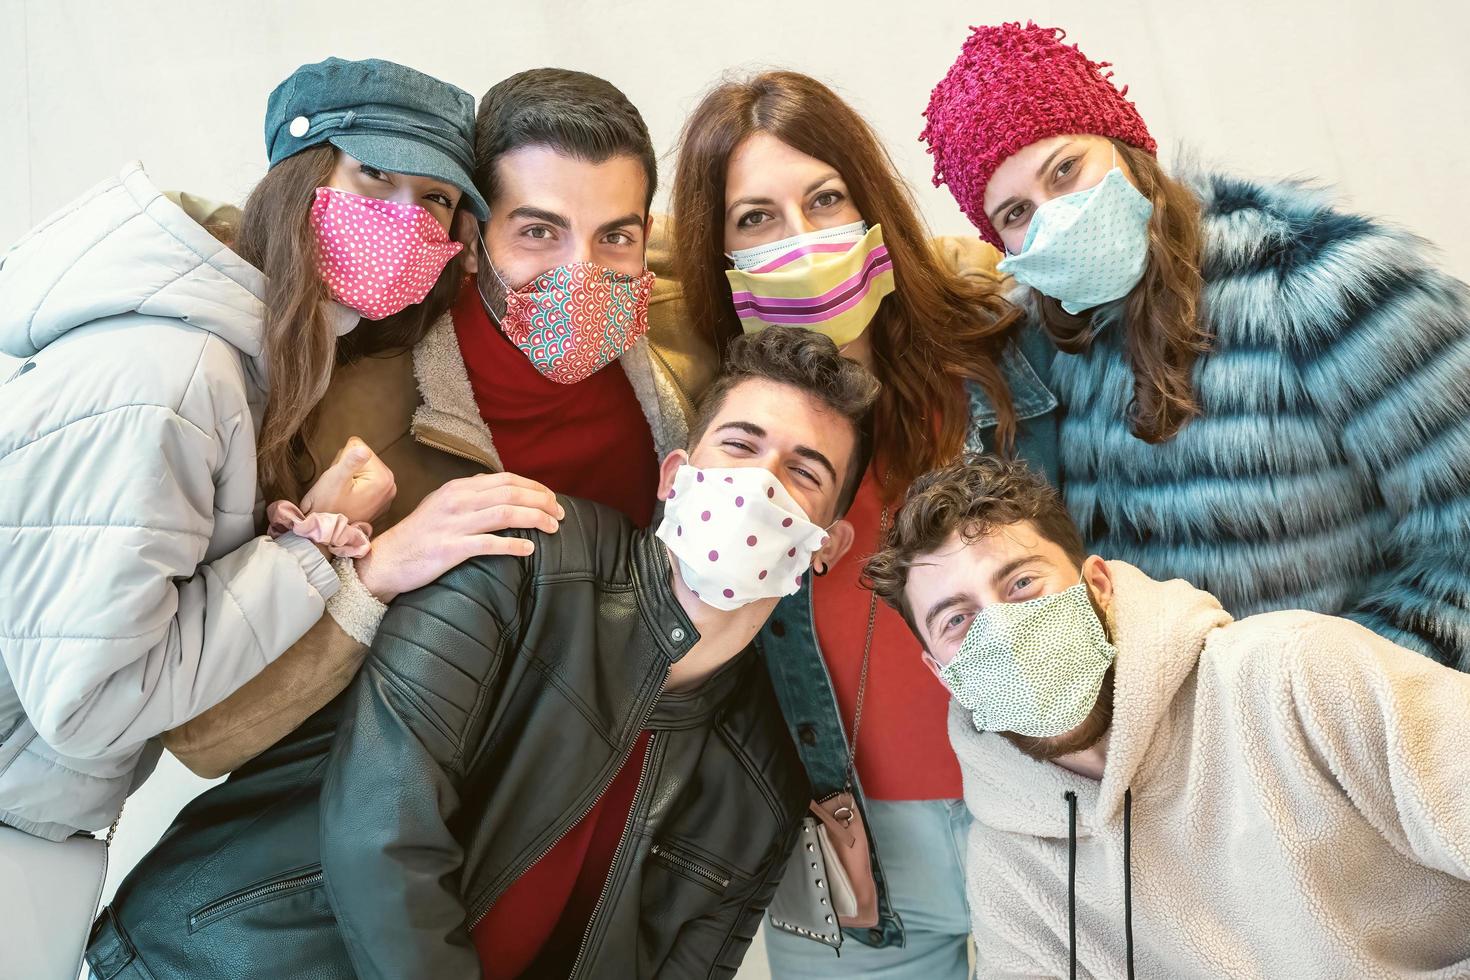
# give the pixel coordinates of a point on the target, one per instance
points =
(737, 534)
(378, 257)
(1087, 248)
(1033, 668)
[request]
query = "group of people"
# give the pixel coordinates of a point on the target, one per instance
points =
(567, 589)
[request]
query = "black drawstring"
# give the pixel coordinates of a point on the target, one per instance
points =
(1128, 875)
(1072, 879)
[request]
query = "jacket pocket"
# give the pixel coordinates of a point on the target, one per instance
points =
(689, 864)
(301, 879)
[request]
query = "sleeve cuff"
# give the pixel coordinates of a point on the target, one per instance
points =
(318, 571)
(354, 608)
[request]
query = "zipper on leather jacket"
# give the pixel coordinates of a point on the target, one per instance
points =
(228, 904)
(665, 853)
(484, 910)
(612, 869)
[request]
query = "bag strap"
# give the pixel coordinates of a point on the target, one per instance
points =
(857, 715)
(112, 831)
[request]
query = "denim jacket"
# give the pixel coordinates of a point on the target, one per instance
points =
(789, 639)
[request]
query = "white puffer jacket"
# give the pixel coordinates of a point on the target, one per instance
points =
(134, 590)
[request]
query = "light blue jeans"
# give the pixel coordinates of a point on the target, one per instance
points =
(922, 845)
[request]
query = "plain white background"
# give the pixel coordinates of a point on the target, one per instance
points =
(1370, 97)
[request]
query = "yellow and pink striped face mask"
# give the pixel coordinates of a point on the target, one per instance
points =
(831, 281)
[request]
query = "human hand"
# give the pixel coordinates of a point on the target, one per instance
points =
(358, 485)
(454, 523)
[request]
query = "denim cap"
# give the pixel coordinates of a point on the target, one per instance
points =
(386, 115)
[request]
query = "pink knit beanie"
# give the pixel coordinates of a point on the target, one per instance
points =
(1012, 86)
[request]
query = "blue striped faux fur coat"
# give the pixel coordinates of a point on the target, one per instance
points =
(1330, 467)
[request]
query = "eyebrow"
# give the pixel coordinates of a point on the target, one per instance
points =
(630, 218)
(766, 200)
(1004, 572)
(539, 214)
(948, 602)
(1005, 205)
(805, 452)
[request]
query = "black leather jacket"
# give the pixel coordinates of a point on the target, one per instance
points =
(495, 707)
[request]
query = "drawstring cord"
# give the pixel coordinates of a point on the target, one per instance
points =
(1128, 875)
(1072, 878)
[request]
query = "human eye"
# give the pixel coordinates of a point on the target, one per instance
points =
(540, 233)
(1022, 586)
(372, 173)
(753, 219)
(1067, 168)
(1016, 213)
(619, 238)
(954, 623)
(828, 198)
(440, 199)
(807, 476)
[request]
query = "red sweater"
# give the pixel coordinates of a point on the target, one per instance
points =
(903, 748)
(588, 439)
(535, 927)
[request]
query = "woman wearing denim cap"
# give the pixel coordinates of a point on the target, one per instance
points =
(1264, 395)
(164, 380)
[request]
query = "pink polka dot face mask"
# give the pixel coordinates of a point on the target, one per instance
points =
(738, 535)
(378, 257)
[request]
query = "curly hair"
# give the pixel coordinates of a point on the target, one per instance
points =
(809, 362)
(974, 495)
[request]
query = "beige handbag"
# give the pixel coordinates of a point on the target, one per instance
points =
(49, 893)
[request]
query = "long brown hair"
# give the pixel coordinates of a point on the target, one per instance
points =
(933, 330)
(301, 348)
(1165, 333)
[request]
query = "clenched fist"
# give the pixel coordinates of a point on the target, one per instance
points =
(357, 485)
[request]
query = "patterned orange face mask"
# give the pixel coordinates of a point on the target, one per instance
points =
(573, 320)
(377, 257)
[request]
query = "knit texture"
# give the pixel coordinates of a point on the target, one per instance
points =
(1012, 86)
(1330, 467)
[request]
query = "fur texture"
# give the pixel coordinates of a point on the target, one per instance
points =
(1330, 467)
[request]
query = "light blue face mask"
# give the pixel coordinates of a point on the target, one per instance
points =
(1086, 248)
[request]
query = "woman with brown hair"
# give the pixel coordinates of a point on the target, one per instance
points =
(165, 384)
(1263, 394)
(788, 212)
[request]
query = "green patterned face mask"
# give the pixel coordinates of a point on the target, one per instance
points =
(1034, 667)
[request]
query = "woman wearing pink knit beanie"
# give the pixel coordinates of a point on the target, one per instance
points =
(1263, 394)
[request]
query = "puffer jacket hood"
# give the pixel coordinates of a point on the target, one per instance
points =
(126, 248)
(136, 589)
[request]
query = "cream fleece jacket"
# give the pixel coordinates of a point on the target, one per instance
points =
(1299, 807)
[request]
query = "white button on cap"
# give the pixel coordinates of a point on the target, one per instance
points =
(299, 126)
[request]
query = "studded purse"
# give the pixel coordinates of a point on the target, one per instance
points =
(829, 882)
